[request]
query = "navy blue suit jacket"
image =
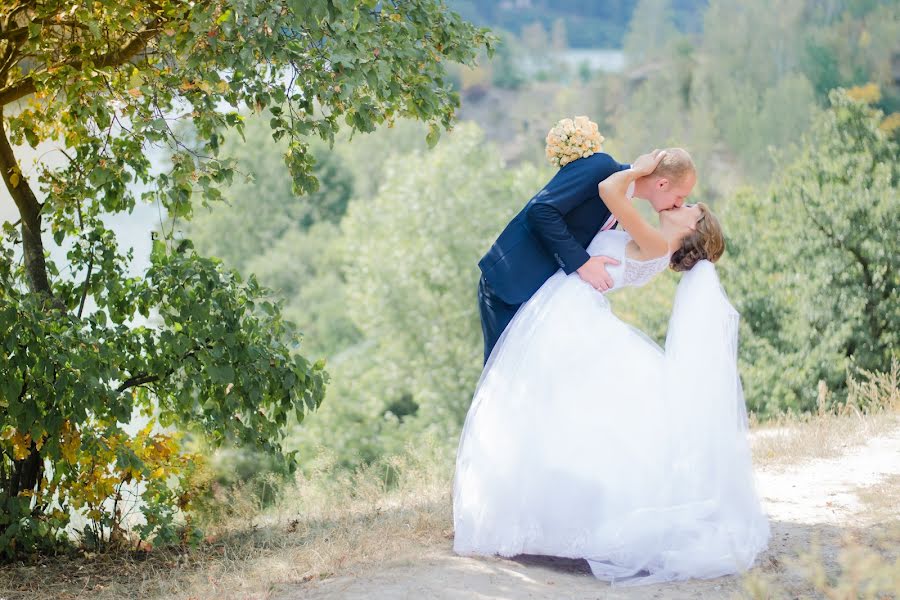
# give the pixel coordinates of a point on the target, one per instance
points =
(552, 231)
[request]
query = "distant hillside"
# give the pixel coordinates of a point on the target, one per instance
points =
(588, 23)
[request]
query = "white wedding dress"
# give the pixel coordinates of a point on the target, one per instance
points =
(586, 440)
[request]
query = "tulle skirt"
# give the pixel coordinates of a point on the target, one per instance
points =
(576, 446)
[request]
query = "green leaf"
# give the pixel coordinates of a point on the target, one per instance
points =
(10, 387)
(434, 134)
(221, 374)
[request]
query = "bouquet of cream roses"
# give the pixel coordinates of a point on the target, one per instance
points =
(572, 139)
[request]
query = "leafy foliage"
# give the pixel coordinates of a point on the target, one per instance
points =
(86, 345)
(814, 266)
(262, 203)
(741, 95)
(368, 287)
(293, 243)
(219, 362)
(409, 261)
(417, 245)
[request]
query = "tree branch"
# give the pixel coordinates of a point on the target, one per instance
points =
(141, 379)
(839, 243)
(87, 285)
(115, 58)
(8, 60)
(11, 93)
(14, 10)
(871, 312)
(20, 34)
(144, 378)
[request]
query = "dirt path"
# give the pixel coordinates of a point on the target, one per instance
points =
(819, 500)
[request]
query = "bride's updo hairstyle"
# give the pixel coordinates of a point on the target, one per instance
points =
(706, 241)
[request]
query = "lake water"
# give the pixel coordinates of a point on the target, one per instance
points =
(597, 59)
(609, 61)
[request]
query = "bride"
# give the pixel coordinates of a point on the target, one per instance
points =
(587, 440)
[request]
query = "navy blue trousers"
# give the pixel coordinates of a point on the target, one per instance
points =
(495, 315)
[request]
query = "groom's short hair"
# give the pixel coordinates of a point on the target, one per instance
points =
(675, 165)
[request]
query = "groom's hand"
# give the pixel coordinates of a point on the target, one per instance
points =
(594, 272)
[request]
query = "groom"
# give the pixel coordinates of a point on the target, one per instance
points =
(556, 226)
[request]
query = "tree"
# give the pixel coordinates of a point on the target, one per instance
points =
(813, 264)
(748, 78)
(409, 253)
(105, 82)
(417, 245)
(559, 41)
(534, 37)
(293, 244)
(261, 206)
(852, 44)
(650, 32)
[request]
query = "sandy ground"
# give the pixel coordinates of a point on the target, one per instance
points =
(818, 501)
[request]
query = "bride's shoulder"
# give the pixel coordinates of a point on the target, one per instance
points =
(612, 234)
(605, 241)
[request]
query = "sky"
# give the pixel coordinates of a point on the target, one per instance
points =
(132, 230)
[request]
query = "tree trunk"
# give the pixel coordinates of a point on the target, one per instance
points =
(30, 212)
(25, 474)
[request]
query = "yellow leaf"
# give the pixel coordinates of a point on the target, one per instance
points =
(70, 444)
(14, 179)
(147, 428)
(21, 446)
(869, 93)
(890, 123)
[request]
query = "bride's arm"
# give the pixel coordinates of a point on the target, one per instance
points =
(613, 191)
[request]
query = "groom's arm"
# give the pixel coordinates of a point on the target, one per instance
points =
(574, 184)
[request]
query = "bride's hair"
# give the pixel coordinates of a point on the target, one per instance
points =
(707, 242)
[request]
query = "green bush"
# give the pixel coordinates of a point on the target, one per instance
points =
(813, 265)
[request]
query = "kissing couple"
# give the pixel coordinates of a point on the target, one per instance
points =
(585, 439)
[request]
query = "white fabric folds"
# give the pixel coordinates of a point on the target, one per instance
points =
(586, 440)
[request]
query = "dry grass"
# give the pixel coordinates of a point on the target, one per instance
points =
(862, 558)
(873, 408)
(332, 524)
(861, 564)
(325, 524)
(793, 439)
(882, 499)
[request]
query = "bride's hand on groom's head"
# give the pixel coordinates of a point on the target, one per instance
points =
(646, 163)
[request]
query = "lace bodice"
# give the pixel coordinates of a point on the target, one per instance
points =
(629, 272)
